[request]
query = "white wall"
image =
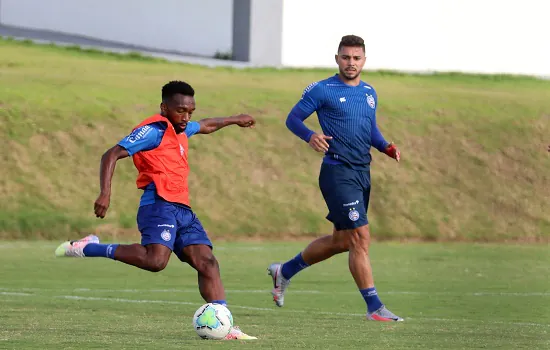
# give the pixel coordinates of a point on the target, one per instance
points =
(191, 26)
(265, 31)
(484, 36)
(480, 36)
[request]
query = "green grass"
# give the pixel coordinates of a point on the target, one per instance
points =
(453, 296)
(474, 162)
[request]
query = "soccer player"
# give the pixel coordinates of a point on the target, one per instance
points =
(159, 147)
(346, 109)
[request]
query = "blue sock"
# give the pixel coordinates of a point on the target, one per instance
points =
(371, 298)
(293, 266)
(100, 250)
(223, 302)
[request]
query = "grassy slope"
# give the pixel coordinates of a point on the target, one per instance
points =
(474, 161)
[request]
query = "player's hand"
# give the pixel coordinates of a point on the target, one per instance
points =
(101, 205)
(393, 152)
(319, 142)
(244, 121)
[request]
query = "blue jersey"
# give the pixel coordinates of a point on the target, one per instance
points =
(347, 113)
(146, 138)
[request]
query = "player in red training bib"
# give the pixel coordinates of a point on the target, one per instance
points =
(159, 147)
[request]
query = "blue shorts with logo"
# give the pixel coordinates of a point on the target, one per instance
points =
(347, 193)
(173, 225)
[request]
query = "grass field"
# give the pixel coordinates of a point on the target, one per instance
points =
(453, 296)
(474, 161)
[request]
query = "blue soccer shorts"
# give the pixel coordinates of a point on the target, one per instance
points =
(346, 192)
(172, 225)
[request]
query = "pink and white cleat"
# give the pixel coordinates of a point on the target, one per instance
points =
(75, 248)
(236, 334)
(279, 283)
(383, 315)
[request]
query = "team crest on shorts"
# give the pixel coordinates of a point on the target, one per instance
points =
(353, 215)
(370, 101)
(166, 235)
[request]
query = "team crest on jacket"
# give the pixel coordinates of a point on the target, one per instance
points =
(370, 101)
(182, 150)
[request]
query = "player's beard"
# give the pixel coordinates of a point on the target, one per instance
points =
(350, 75)
(180, 128)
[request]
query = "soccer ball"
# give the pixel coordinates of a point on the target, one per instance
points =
(212, 321)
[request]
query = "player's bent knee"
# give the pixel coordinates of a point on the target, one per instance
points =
(156, 264)
(206, 264)
(360, 238)
(209, 265)
(156, 258)
(340, 242)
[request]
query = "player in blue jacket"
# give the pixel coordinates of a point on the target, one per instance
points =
(346, 108)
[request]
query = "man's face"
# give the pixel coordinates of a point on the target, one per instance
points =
(178, 110)
(350, 60)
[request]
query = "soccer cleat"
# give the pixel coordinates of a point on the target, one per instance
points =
(75, 248)
(383, 315)
(279, 283)
(237, 334)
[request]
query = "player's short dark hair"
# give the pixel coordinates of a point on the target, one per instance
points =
(176, 87)
(353, 41)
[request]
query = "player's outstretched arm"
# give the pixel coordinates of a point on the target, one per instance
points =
(106, 171)
(210, 125)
